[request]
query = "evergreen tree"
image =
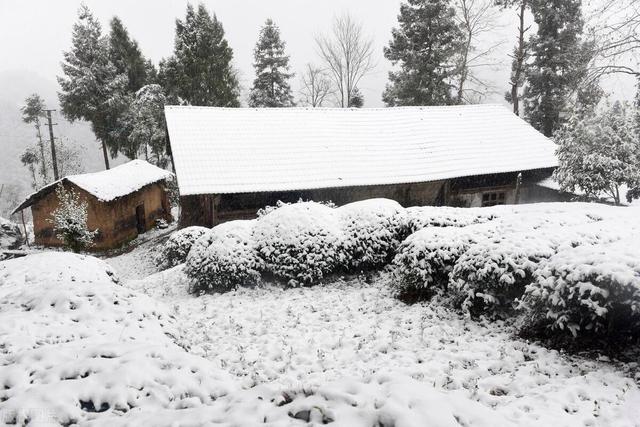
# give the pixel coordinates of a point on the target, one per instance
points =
(559, 62)
(271, 86)
(92, 88)
(599, 153)
(357, 99)
(148, 125)
(425, 46)
(200, 71)
(126, 56)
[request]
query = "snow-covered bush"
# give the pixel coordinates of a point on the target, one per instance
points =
(70, 220)
(425, 260)
(300, 243)
(420, 217)
(492, 274)
(10, 235)
(590, 291)
(373, 230)
(224, 258)
(175, 250)
(270, 208)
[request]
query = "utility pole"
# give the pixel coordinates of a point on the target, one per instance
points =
(54, 159)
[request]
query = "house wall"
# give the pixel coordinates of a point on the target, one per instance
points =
(210, 210)
(115, 220)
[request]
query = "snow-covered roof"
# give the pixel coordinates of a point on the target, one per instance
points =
(235, 150)
(109, 184)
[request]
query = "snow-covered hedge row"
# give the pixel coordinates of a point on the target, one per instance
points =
(300, 243)
(223, 258)
(491, 275)
(372, 229)
(175, 250)
(425, 260)
(590, 291)
(421, 217)
(569, 270)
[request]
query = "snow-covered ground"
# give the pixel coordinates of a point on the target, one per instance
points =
(352, 334)
(77, 346)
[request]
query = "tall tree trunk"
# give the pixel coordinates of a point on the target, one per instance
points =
(106, 155)
(519, 61)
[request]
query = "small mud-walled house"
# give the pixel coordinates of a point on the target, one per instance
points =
(230, 162)
(121, 203)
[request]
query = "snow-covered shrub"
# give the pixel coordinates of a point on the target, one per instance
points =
(300, 243)
(70, 220)
(268, 209)
(420, 217)
(589, 291)
(10, 235)
(373, 229)
(224, 258)
(175, 250)
(425, 260)
(492, 274)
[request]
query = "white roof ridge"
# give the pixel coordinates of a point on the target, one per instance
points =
(364, 109)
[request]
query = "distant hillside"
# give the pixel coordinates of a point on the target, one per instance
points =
(15, 135)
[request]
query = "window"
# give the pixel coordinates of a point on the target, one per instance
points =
(492, 199)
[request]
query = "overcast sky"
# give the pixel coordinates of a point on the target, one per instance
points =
(33, 33)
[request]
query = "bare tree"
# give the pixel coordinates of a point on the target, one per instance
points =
(616, 28)
(348, 55)
(316, 86)
(476, 18)
(520, 53)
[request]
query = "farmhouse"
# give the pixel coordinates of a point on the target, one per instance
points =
(230, 162)
(121, 203)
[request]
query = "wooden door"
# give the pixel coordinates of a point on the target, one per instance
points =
(140, 219)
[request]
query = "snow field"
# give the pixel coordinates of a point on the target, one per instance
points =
(75, 344)
(351, 341)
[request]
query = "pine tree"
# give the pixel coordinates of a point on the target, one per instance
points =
(559, 62)
(148, 124)
(425, 46)
(271, 86)
(125, 55)
(92, 88)
(200, 71)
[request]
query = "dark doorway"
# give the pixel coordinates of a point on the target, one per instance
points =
(140, 219)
